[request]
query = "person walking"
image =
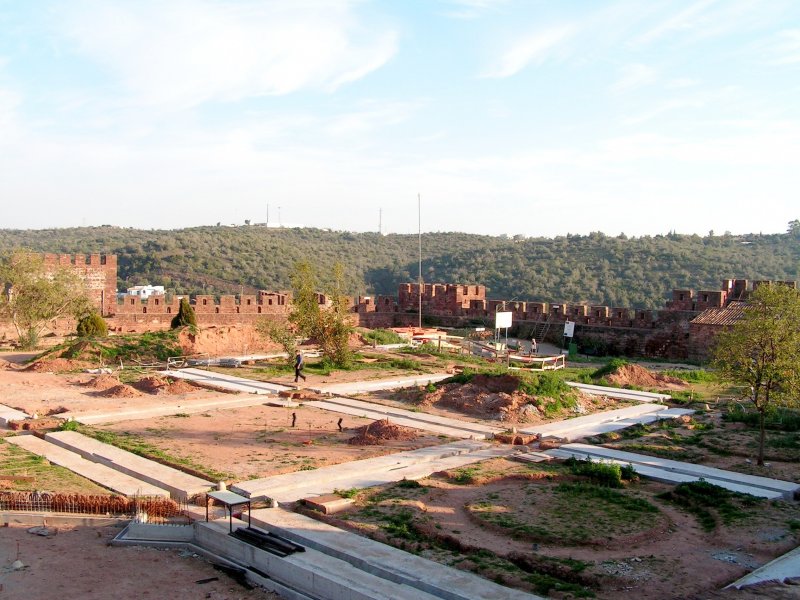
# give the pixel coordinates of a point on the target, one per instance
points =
(299, 363)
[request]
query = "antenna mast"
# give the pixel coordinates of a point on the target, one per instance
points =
(419, 240)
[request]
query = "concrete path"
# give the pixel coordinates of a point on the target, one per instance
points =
(619, 393)
(179, 484)
(603, 422)
(374, 385)
(394, 566)
(182, 407)
(417, 420)
(673, 471)
(101, 474)
(10, 414)
(412, 464)
(781, 568)
(228, 383)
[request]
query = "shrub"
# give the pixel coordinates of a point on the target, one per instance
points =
(606, 474)
(92, 325)
(185, 316)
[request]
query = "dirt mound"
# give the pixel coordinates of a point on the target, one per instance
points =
(152, 384)
(180, 386)
(120, 391)
(477, 400)
(503, 383)
(102, 382)
(55, 365)
(640, 377)
(381, 431)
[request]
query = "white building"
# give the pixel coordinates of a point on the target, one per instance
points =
(145, 291)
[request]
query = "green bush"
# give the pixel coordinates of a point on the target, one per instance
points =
(92, 325)
(609, 475)
(185, 316)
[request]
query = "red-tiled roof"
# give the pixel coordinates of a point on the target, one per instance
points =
(720, 316)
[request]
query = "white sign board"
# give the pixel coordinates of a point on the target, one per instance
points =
(569, 329)
(502, 320)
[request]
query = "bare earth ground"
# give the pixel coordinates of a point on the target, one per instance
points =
(675, 559)
(41, 392)
(259, 441)
(77, 563)
(665, 555)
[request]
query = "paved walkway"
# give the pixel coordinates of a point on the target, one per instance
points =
(781, 568)
(603, 422)
(10, 414)
(228, 383)
(374, 385)
(179, 484)
(103, 475)
(412, 464)
(673, 471)
(619, 393)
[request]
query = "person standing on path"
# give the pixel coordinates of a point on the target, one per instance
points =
(299, 363)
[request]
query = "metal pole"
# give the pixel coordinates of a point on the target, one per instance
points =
(419, 240)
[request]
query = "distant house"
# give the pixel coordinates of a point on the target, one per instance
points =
(145, 291)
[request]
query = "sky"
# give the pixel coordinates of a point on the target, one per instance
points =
(526, 117)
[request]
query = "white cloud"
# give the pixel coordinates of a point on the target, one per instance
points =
(687, 19)
(183, 53)
(535, 48)
(634, 76)
(471, 9)
(372, 116)
(783, 48)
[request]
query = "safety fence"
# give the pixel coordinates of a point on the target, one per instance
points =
(144, 508)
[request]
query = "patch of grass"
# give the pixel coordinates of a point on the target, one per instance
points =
(794, 524)
(137, 445)
(70, 425)
(710, 503)
(465, 475)
(610, 367)
(383, 336)
(693, 376)
(349, 493)
(778, 418)
(400, 524)
(599, 492)
(39, 474)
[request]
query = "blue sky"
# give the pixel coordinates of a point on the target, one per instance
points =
(508, 117)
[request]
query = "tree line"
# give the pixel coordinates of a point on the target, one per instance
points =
(594, 268)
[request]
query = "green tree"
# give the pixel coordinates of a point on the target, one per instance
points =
(92, 325)
(761, 351)
(185, 316)
(33, 296)
(330, 326)
(335, 327)
(280, 333)
(305, 313)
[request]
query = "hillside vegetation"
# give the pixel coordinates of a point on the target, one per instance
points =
(618, 271)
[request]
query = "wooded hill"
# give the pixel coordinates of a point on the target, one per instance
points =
(597, 269)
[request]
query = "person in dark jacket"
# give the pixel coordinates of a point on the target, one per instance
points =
(299, 363)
